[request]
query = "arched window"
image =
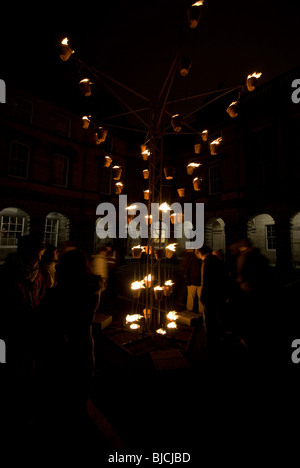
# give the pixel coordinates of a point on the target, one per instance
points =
(214, 234)
(57, 228)
(261, 233)
(14, 223)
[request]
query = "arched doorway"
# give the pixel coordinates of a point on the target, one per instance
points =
(261, 233)
(214, 234)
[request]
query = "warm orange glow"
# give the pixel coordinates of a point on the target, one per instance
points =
(134, 326)
(199, 3)
(160, 331)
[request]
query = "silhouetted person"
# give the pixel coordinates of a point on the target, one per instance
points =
(48, 265)
(193, 276)
(212, 293)
(67, 350)
(21, 289)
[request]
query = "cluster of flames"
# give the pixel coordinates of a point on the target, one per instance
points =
(133, 319)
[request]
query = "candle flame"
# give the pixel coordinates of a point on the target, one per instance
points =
(194, 164)
(199, 3)
(160, 331)
(65, 41)
(158, 288)
(134, 326)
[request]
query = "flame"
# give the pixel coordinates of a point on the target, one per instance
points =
(196, 178)
(254, 75)
(137, 247)
(86, 117)
(119, 184)
(164, 207)
(194, 164)
(133, 318)
(199, 3)
(172, 325)
(169, 283)
(137, 285)
(171, 247)
(134, 326)
(148, 279)
(85, 80)
(108, 158)
(116, 167)
(233, 103)
(160, 331)
(204, 132)
(158, 288)
(172, 315)
(217, 141)
(65, 41)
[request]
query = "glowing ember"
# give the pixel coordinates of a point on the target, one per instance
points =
(134, 326)
(171, 247)
(172, 325)
(133, 318)
(172, 315)
(161, 331)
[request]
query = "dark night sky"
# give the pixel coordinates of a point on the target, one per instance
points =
(136, 42)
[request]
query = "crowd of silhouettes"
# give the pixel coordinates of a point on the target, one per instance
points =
(49, 299)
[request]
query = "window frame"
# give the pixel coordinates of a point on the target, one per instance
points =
(270, 238)
(67, 159)
(23, 218)
(10, 158)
